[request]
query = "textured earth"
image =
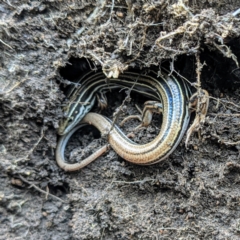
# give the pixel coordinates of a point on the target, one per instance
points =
(45, 47)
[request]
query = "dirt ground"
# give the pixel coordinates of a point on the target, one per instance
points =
(194, 194)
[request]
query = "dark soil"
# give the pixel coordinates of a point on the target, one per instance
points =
(194, 194)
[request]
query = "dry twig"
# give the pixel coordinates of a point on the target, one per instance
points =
(39, 189)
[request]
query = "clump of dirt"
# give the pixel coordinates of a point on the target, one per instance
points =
(45, 47)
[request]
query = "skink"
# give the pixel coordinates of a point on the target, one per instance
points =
(173, 95)
(83, 97)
